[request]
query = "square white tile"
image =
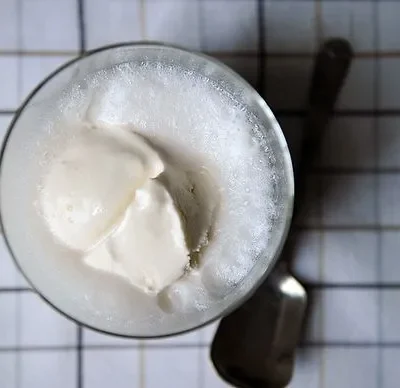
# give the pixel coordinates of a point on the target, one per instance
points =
(389, 83)
(207, 333)
(290, 26)
(388, 12)
(112, 21)
(352, 20)
(209, 376)
(388, 199)
(247, 67)
(348, 199)
(307, 258)
(9, 274)
(350, 257)
(389, 142)
(35, 68)
(111, 368)
(310, 213)
(390, 315)
(356, 310)
(9, 82)
(49, 25)
(92, 337)
(390, 368)
(181, 371)
(287, 82)
(292, 128)
(9, 25)
(390, 263)
(174, 21)
(358, 90)
(43, 326)
(307, 368)
(350, 367)
(8, 370)
(229, 25)
(9, 324)
(48, 369)
(349, 142)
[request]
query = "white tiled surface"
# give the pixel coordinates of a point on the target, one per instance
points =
(40, 326)
(48, 369)
(9, 320)
(391, 371)
(390, 262)
(182, 368)
(338, 244)
(350, 257)
(349, 143)
(8, 371)
(389, 187)
(387, 11)
(107, 368)
(390, 315)
(352, 20)
(218, 32)
(389, 142)
(49, 25)
(348, 199)
(176, 22)
(389, 85)
(9, 82)
(110, 21)
(344, 366)
(8, 25)
(286, 19)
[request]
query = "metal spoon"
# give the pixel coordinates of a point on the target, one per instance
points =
(255, 345)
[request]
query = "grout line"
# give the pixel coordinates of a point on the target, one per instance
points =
(222, 54)
(81, 26)
(38, 53)
(355, 170)
(339, 112)
(353, 286)
(79, 370)
(93, 348)
(349, 228)
(16, 289)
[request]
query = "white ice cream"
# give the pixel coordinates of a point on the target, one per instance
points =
(100, 197)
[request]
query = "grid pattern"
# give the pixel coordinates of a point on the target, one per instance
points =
(348, 240)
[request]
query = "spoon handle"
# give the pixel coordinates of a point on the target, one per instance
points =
(255, 345)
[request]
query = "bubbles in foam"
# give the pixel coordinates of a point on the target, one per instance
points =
(187, 114)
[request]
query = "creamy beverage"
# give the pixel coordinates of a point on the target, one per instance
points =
(149, 194)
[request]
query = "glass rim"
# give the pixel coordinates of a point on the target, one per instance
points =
(274, 125)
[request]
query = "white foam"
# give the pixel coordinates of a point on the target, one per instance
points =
(202, 126)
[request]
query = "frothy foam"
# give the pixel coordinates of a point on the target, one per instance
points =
(194, 123)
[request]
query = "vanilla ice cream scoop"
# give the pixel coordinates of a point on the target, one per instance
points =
(91, 183)
(150, 241)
